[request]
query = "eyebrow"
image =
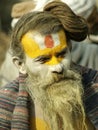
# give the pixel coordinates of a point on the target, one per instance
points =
(63, 51)
(39, 58)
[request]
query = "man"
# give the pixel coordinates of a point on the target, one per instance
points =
(80, 52)
(51, 92)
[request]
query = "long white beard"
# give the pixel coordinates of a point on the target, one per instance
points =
(60, 97)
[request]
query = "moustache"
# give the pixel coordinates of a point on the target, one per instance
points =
(55, 78)
(66, 75)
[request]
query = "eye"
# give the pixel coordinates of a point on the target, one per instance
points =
(62, 53)
(42, 59)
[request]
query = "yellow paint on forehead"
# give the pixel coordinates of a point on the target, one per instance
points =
(32, 48)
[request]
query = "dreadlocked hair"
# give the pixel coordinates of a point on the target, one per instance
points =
(75, 26)
(56, 16)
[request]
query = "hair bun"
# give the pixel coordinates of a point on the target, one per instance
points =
(75, 26)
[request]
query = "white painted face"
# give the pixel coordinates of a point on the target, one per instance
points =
(46, 54)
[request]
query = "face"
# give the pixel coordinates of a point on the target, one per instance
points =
(48, 58)
(46, 54)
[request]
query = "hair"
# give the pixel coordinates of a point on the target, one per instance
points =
(56, 16)
(93, 21)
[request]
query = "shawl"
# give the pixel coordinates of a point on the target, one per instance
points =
(14, 101)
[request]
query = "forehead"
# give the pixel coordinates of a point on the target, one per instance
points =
(35, 44)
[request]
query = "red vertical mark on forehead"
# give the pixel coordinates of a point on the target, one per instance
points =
(49, 43)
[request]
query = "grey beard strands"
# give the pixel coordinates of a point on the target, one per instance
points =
(59, 99)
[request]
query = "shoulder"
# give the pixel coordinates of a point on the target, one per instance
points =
(8, 93)
(11, 86)
(8, 96)
(90, 83)
(89, 75)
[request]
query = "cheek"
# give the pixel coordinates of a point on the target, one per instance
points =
(36, 68)
(67, 61)
(31, 66)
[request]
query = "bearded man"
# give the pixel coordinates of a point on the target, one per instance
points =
(51, 92)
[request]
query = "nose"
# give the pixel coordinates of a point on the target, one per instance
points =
(58, 72)
(57, 69)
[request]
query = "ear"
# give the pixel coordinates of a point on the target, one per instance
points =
(19, 64)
